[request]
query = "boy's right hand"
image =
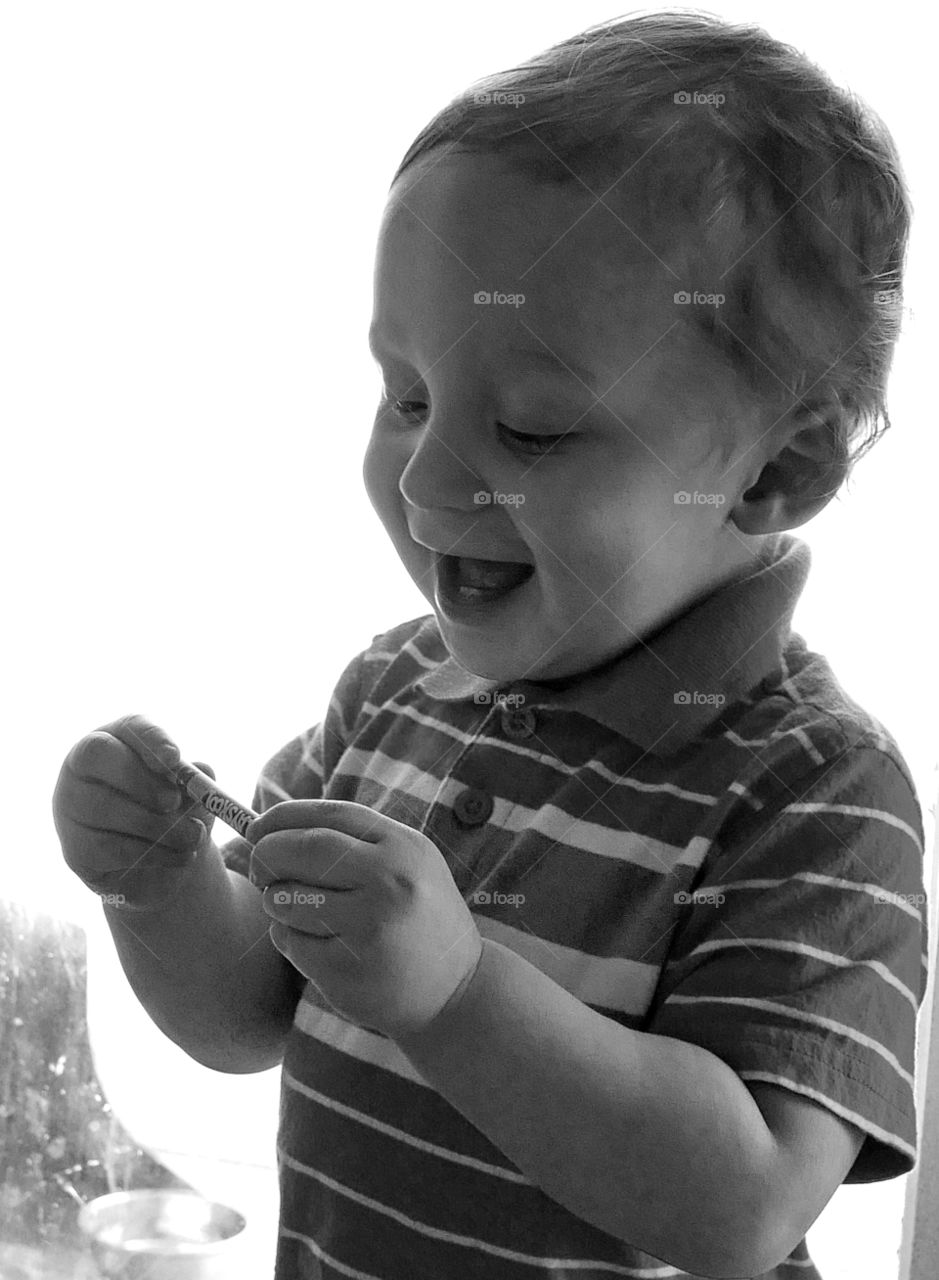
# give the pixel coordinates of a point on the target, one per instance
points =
(126, 827)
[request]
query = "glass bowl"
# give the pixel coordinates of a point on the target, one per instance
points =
(163, 1235)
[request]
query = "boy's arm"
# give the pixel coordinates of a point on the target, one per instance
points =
(206, 971)
(654, 1140)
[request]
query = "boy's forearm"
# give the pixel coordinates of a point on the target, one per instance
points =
(651, 1139)
(207, 972)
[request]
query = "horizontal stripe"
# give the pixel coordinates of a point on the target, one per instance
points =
(546, 1264)
(322, 1256)
(273, 787)
(359, 1043)
(858, 811)
(875, 891)
(804, 949)
(428, 1148)
(549, 761)
(805, 1015)
(403, 779)
(814, 754)
(626, 985)
(855, 1117)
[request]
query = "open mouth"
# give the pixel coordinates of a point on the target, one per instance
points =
(465, 580)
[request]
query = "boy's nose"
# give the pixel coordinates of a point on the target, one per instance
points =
(439, 474)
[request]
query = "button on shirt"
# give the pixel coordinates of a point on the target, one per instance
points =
(472, 807)
(705, 838)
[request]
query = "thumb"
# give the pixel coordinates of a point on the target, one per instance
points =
(206, 768)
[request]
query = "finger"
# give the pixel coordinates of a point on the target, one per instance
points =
(340, 815)
(312, 857)
(312, 911)
(100, 757)
(98, 808)
(147, 740)
(91, 853)
(106, 814)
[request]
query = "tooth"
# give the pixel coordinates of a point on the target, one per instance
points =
(487, 574)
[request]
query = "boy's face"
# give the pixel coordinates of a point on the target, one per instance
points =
(615, 555)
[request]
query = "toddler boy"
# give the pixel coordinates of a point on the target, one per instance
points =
(607, 957)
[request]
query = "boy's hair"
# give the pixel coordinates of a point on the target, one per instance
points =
(787, 197)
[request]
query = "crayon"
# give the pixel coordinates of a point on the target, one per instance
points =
(202, 788)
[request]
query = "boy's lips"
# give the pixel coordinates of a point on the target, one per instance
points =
(460, 552)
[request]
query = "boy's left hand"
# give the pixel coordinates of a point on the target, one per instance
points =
(377, 923)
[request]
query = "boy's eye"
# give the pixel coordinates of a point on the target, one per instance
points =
(542, 444)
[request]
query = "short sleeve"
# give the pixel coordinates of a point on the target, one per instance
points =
(303, 766)
(801, 957)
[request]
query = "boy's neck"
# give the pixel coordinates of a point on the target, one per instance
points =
(560, 683)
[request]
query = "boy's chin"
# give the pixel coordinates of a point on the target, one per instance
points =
(487, 662)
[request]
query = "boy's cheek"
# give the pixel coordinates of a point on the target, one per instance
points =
(381, 470)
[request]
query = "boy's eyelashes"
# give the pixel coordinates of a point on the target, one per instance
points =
(539, 443)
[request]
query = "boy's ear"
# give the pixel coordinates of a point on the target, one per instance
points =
(798, 481)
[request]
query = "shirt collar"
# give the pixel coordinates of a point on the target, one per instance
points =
(662, 693)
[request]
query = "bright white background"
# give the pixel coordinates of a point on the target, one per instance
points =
(191, 194)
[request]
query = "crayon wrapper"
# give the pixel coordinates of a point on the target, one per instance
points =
(216, 801)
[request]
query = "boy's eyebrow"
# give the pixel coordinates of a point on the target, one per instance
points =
(537, 356)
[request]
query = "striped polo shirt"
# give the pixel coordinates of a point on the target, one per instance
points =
(705, 838)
